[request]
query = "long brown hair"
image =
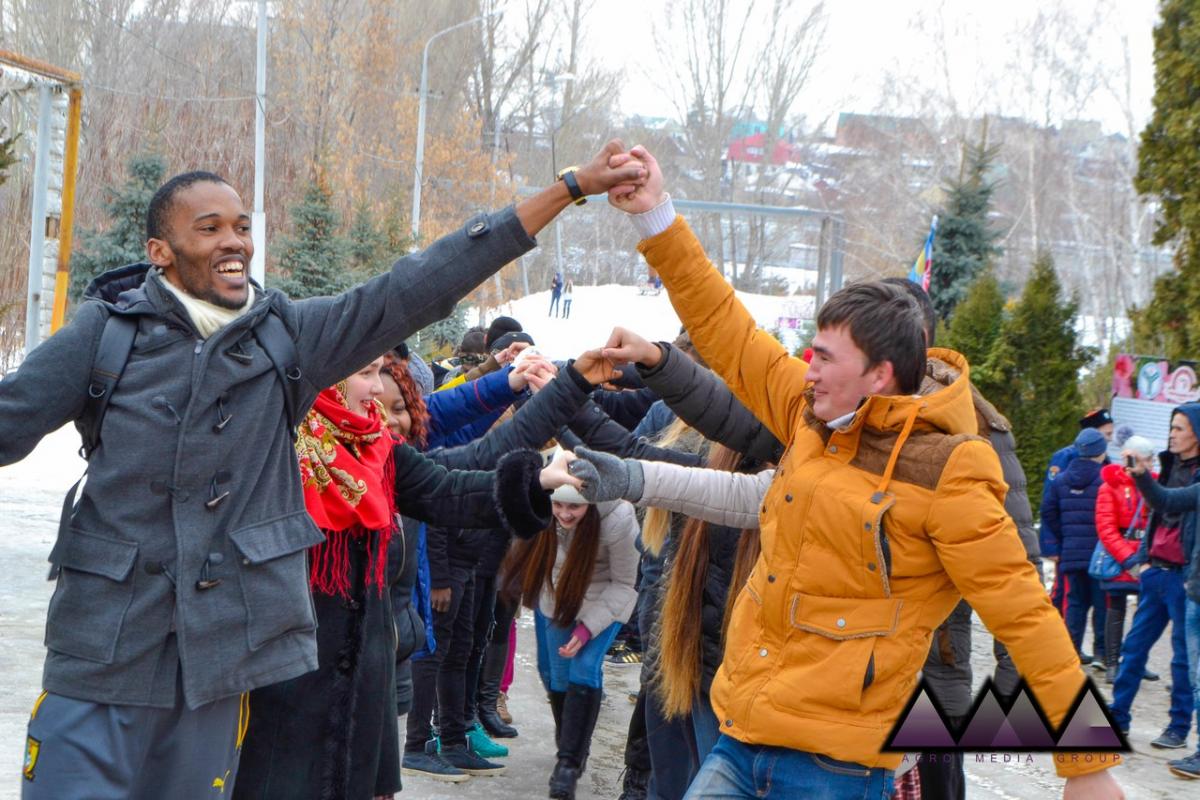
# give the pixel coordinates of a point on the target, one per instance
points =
(677, 681)
(532, 562)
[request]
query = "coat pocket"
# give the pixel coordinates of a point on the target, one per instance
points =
(95, 589)
(831, 659)
(274, 577)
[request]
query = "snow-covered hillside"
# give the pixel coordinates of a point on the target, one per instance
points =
(596, 310)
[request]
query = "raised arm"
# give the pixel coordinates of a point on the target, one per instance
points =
(592, 427)
(768, 380)
(702, 400)
(338, 335)
(534, 424)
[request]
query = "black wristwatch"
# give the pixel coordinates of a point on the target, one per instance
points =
(567, 176)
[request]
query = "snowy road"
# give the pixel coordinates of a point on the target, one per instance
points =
(31, 495)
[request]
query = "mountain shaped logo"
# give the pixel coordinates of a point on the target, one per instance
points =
(998, 724)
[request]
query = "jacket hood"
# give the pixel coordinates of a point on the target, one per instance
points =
(109, 285)
(1116, 476)
(943, 403)
(1082, 472)
(1192, 412)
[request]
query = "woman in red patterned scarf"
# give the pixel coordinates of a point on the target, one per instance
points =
(332, 733)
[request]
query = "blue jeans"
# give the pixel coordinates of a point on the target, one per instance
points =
(705, 726)
(1161, 599)
(734, 770)
(1193, 650)
(1083, 594)
(585, 669)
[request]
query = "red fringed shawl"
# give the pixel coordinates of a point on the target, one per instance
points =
(348, 475)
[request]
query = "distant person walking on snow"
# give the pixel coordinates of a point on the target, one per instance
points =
(555, 293)
(566, 299)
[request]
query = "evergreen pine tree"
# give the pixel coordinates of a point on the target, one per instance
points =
(975, 326)
(124, 242)
(440, 338)
(314, 258)
(965, 244)
(1032, 375)
(1168, 161)
(367, 244)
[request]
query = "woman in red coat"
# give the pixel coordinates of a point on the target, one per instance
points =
(1121, 517)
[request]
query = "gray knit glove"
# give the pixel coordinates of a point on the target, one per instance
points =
(606, 477)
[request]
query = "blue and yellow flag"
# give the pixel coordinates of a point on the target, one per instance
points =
(922, 268)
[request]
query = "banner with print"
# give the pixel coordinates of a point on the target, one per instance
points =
(1144, 392)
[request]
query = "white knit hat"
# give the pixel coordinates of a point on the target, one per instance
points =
(568, 494)
(565, 493)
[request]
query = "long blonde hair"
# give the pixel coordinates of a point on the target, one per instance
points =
(656, 524)
(677, 679)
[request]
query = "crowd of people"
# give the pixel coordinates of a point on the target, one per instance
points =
(295, 531)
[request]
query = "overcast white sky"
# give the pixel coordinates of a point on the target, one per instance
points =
(867, 38)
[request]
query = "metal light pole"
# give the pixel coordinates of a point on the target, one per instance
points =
(37, 220)
(424, 91)
(258, 220)
(559, 81)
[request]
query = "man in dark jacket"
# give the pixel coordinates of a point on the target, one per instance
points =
(1069, 537)
(1163, 558)
(183, 581)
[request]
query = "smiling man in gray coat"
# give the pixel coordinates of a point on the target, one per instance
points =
(182, 577)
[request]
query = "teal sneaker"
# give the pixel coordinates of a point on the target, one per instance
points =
(482, 745)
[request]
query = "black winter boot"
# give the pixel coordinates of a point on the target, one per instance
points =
(557, 699)
(489, 692)
(635, 784)
(581, 708)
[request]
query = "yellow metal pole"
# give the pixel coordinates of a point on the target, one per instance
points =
(62, 275)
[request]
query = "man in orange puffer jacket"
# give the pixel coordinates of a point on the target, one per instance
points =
(886, 509)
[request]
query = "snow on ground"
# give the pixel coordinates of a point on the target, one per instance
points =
(596, 310)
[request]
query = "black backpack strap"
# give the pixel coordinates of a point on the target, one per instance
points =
(116, 342)
(280, 347)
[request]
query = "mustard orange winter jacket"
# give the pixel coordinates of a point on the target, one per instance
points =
(870, 536)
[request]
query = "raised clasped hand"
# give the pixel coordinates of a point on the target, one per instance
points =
(637, 197)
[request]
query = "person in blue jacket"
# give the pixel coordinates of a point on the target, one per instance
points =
(1101, 420)
(1069, 537)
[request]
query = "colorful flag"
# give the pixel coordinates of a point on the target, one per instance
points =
(922, 268)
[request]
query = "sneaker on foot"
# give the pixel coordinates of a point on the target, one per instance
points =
(432, 766)
(1186, 767)
(1169, 740)
(481, 744)
(621, 654)
(1085, 659)
(1147, 675)
(459, 757)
